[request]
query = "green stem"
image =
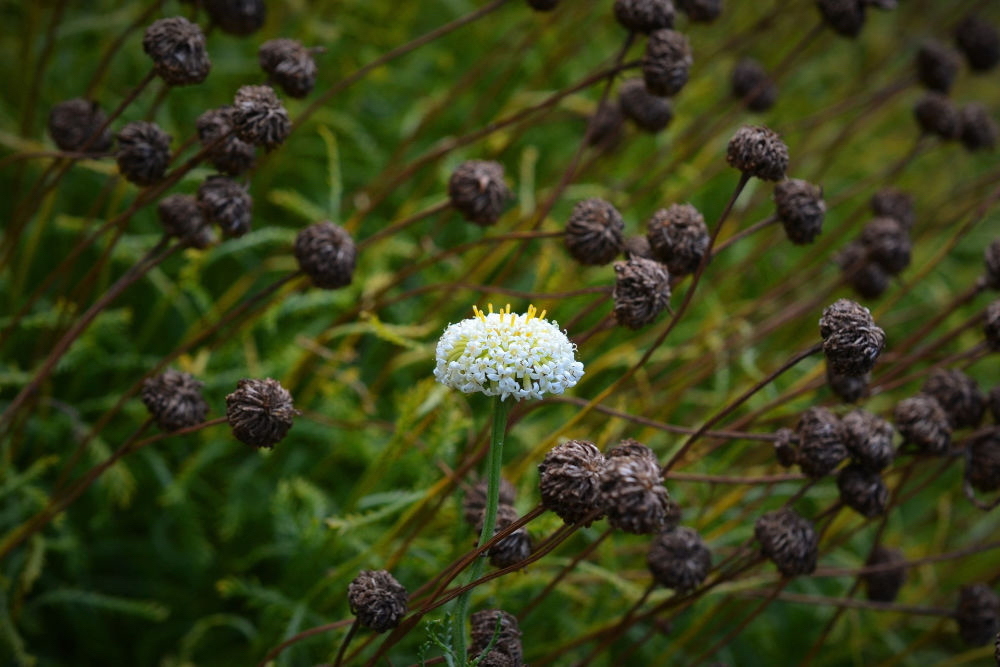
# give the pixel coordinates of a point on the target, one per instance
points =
(500, 411)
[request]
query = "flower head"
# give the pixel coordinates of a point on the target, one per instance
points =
(507, 354)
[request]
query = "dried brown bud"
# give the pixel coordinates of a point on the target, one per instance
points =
(226, 151)
(851, 339)
(484, 624)
(785, 447)
(642, 291)
(863, 490)
(821, 442)
(983, 462)
(979, 131)
(512, 549)
(638, 246)
(182, 218)
(667, 63)
(632, 447)
(260, 412)
(923, 422)
(478, 192)
(959, 395)
(633, 495)
(289, 64)
(570, 478)
(937, 66)
(259, 117)
(143, 153)
(801, 209)
(177, 48)
(979, 41)
(844, 17)
(606, 127)
(978, 614)
(703, 11)
(888, 244)
(849, 389)
(227, 204)
(174, 400)
(789, 540)
(73, 122)
(937, 115)
(649, 112)
(757, 151)
(237, 17)
(475, 499)
(994, 401)
(751, 83)
(866, 277)
(679, 559)
(893, 203)
(377, 599)
(678, 237)
(868, 439)
(991, 326)
(594, 232)
(883, 586)
(543, 5)
(992, 257)
(326, 253)
(645, 15)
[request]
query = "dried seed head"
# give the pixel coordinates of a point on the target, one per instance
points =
(606, 127)
(979, 131)
(868, 439)
(289, 64)
(667, 63)
(182, 218)
(478, 192)
(512, 549)
(923, 422)
(851, 339)
(484, 624)
(632, 447)
(227, 204)
(751, 83)
(679, 559)
(678, 237)
(649, 112)
(642, 291)
(231, 155)
(638, 246)
(865, 277)
(633, 495)
(475, 500)
(849, 389)
(570, 480)
(645, 15)
(759, 152)
(821, 442)
(937, 66)
(174, 400)
(863, 490)
(259, 116)
(994, 401)
(991, 325)
(785, 447)
(260, 412)
(543, 5)
(959, 395)
(978, 614)
(789, 540)
(844, 17)
(937, 115)
(73, 122)
(177, 48)
(888, 244)
(983, 462)
(237, 17)
(377, 599)
(703, 11)
(594, 232)
(979, 41)
(801, 209)
(893, 203)
(883, 586)
(326, 254)
(143, 153)
(992, 257)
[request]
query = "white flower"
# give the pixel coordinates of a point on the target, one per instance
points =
(507, 354)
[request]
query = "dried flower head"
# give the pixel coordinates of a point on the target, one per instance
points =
(979, 131)
(865, 276)
(177, 47)
(569, 480)
(143, 153)
(789, 540)
(182, 218)
(507, 354)
(642, 291)
(893, 203)
(486, 623)
(959, 395)
(477, 191)
(326, 253)
(702, 11)
(679, 559)
(991, 325)
(851, 339)
(786, 447)
(632, 447)
(801, 209)
(237, 17)
(645, 15)
(475, 499)
(606, 127)
(678, 237)
(884, 585)
(543, 5)
(937, 66)
(259, 116)
(923, 422)
(992, 260)
(868, 439)
(72, 124)
(937, 115)
(844, 17)
(751, 83)
(983, 461)
(512, 549)
(757, 151)
(821, 442)
(994, 401)
(863, 490)
(633, 496)
(888, 244)
(638, 246)
(978, 614)
(649, 112)
(260, 412)
(377, 599)
(667, 63)
(226, 151)
(847, 388)
(289, 64)
(174, 400)
(979, 41)
(594, 232)
(226, 203)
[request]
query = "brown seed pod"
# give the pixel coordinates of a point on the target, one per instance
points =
(289, 64)
(979, 131)
(667, 63)
(982, 465)
(73, 122)
(649, 112)
(821, 442)
(143, 153)
(645, 15)
(569, 480)
(893, 203)
(633, 496)
(227, 204)
(594, 232)
(978, 614)
(182, 218)
(991, 325)
(844, 17)
(888, 244)
(757, 151)
(751, 83)
(260, 412)
(789, 540)
(606, 127)
(868, 439)
(174, 400)
(679, 559)
(851, 339)
(863, 490)
(923, 422)
(543, 5)
(642, 291)
(632, 447)
(484, 624)
(979, 42)
(801, 209)
(326, 253)
(702, 11)
(177, 48)
(377, 599)
(938, 116)
(785, 447)
(475, 500)
(226, 151)
(678, 237)
(237, 17)
(478, 192)
(849, 389)
(865, 277)
(992, 257)
(259, 117)
(638, 246)
(512, 549)
(959, 395)
(937, 66)
(884, 585)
